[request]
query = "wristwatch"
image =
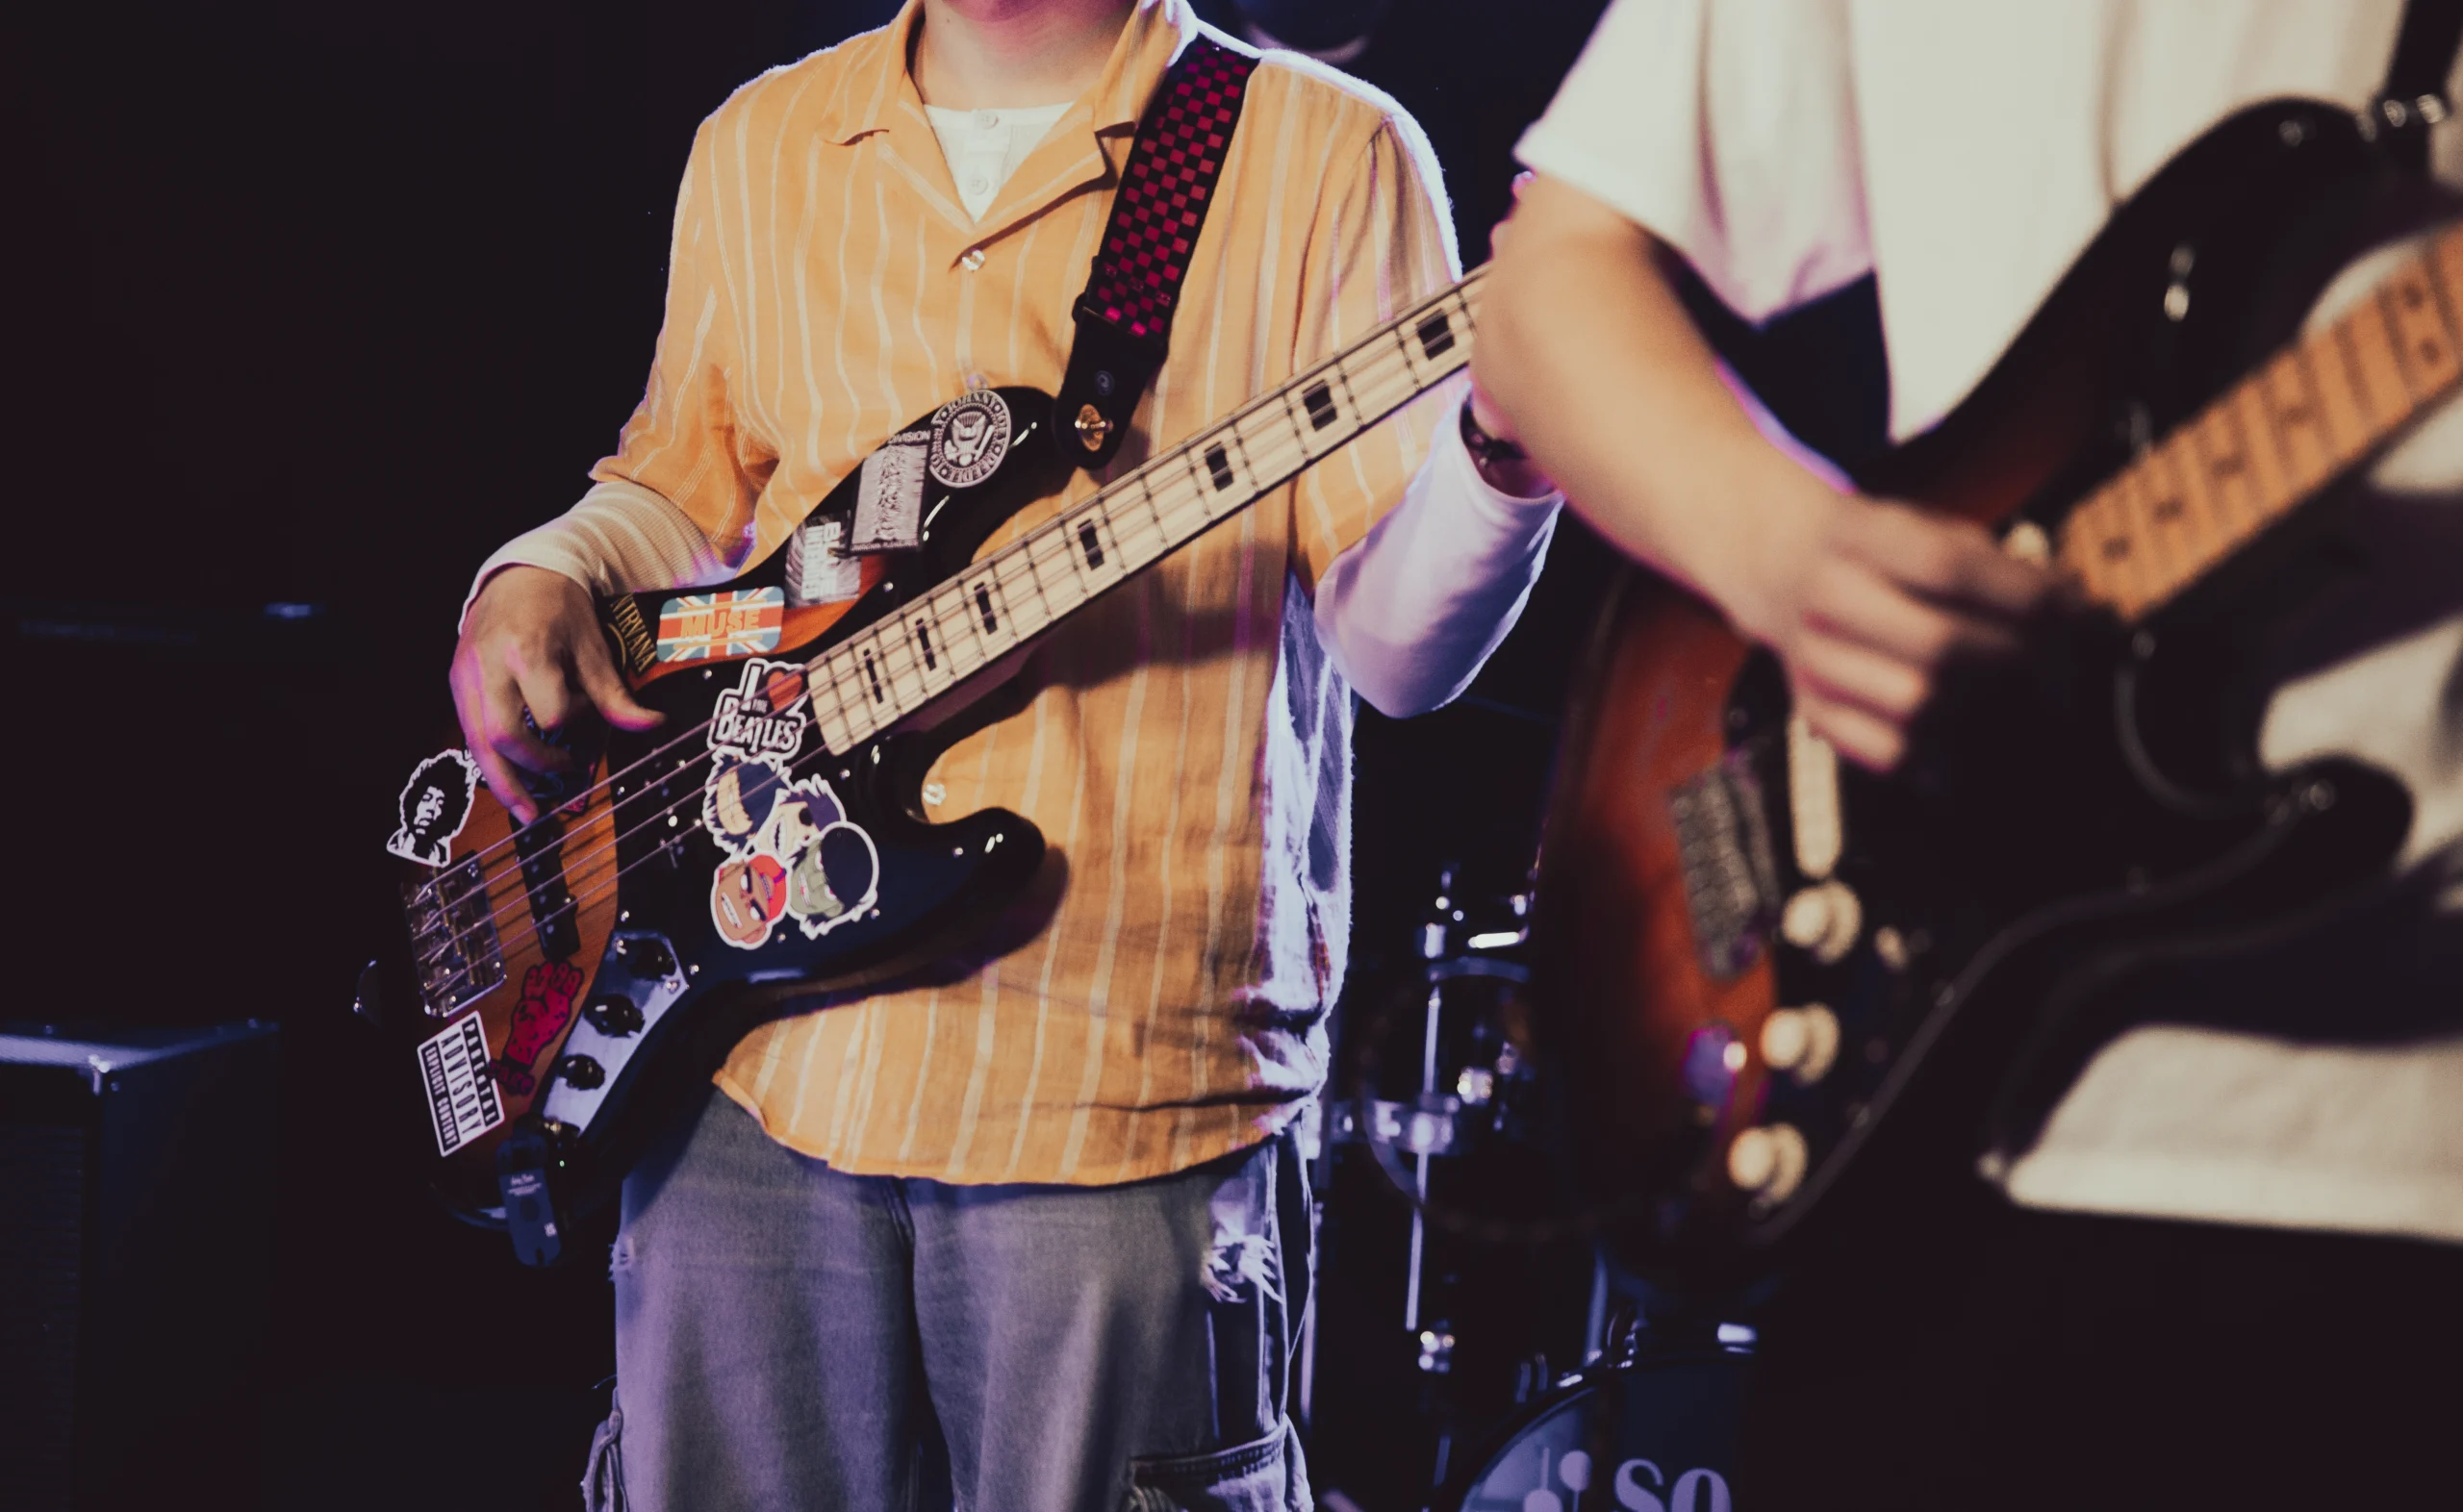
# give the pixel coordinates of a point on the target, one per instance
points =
(1485, 446)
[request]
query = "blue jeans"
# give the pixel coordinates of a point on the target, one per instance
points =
(790, 1337)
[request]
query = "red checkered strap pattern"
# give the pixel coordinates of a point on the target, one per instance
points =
(1125, 317)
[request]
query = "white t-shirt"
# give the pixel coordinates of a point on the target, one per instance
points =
(1964, 152)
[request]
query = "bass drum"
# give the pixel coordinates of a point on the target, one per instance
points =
(1656, 1433)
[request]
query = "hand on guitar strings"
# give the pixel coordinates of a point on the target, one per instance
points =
(532, 642)
(1870, 603)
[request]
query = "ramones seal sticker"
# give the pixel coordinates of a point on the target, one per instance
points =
(970, 436)
(803, 859)
(434, 806)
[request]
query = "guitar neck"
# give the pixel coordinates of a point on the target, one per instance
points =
(893, 667)
(2272, 440)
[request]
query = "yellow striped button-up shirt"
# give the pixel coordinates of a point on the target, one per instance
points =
(1185, 750)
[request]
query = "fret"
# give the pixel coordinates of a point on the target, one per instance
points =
(2343, 414)
(1229, 475)
(2245, 409)
(2424, 341)
(2218, 452)
(2378, 375)
(2088, 522)
(1050, 569)
(2296, 421)
(1093, 551)
(1136, 520)
(2120, 548)
(2445, 262)
(831, 726)
(923, 640)
(1030, 607)
(2181, 468)
(987, 611)
(1180, 499)
(2169, 541)
(1267, 440)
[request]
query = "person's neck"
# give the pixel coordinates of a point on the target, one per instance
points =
(972, 54)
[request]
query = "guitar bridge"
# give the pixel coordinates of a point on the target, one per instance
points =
(1731, 872)
(454, 949)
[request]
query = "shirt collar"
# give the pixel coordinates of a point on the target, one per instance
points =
(879, 84)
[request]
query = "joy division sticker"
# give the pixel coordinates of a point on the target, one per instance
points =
(462, 1099)
(803, 859)
(970, 436)
(889, 496)
(546, 1006)
(695, 627)
(434, 806)
(819, 569)
(763, 715)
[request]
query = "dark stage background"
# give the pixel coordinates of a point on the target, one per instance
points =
(314, 305)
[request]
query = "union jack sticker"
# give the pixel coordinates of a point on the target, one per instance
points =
(698, 628)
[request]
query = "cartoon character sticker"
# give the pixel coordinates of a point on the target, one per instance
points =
(804, 860)
(546, 1006)
(747, 896)
(736, 799)
(970, 436)
(434, 806)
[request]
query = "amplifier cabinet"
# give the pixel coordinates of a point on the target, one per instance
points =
(136, 1191)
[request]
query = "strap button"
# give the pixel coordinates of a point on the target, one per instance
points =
(972, 261)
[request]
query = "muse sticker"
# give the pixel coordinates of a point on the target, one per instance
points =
(434, 806)
(742, 621)
(970, 436)
(804, 860)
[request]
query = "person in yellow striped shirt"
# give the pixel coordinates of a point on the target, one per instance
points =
(1028, 1231)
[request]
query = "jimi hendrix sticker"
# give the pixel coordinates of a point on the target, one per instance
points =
(970, 436)
(548, 992)
(434, 806)
(462, 1101)
(803, 859)
(818, 568)
(889, 496)
(743, 622)
(763, 715)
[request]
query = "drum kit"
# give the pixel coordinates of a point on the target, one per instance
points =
(1522, 1373)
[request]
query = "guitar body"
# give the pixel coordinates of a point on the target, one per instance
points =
(553, 989)
(1782, 990)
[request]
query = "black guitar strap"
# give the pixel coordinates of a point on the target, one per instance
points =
(1125, 317)
(2413, 99)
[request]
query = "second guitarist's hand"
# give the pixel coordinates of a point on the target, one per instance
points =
(531, 640)
(1611, 386)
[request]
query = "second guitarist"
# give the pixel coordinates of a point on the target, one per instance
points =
(2236, 1230)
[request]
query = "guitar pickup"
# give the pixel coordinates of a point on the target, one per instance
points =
(539, 844)
(1730, 872)
(454, 949)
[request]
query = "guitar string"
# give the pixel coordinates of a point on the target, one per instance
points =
(1277, 448)
(538, 923)
(1369, 347)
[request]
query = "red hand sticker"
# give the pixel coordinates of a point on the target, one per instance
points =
(546, 1006)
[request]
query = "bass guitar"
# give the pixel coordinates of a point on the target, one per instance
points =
(548, 983)
(1776, 984)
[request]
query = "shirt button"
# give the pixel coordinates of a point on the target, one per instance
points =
(973, 261)
(978, 183)
(987, 119)
(978, 380)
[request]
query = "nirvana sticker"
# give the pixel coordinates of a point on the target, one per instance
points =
(697, 628)
(631, 634)
(434, 806)
(970, 436)
(548, 992)
(889, 496)
(803, 859)
(819, 570)
(462, 1101)
(763, 715)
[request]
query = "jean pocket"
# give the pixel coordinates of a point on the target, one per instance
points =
(602, 1478)
(1254, 1477)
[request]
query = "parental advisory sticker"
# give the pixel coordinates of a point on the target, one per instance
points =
(462, 1099)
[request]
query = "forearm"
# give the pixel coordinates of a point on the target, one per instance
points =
(1611, 389)
(620, 538)
(1411, 612)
